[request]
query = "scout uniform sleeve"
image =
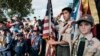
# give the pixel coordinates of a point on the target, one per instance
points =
(97, 46)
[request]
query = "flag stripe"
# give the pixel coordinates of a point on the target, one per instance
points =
(49, 28)
(46, 28)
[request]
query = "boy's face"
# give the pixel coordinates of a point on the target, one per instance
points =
(25, 32)
(19, 38)
(2, 32)
(85, 27)
(35, 33)
(66, 15)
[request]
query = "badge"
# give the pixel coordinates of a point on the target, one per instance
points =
(90, 42)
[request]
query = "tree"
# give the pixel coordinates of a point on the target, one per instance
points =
(21, 7)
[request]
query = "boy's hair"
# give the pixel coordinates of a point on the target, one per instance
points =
(26, 30)
(68, 9)
(20, 35)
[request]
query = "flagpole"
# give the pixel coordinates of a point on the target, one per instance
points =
(50, 51)
(50, 24)
(49, 18)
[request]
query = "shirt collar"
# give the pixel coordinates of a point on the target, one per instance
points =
(88, 36)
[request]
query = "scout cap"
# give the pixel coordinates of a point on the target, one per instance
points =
(86, 18)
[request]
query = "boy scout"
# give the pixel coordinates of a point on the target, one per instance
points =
(20, 45)
(36, 43)
(64, 29)
(5, 42)
(85, 44)
(2, 41)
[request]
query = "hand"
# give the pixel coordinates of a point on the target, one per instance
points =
(51, 42)
(60, 15)
(70, 22)
(39, 53)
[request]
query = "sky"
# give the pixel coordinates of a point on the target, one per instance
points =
(40, 7)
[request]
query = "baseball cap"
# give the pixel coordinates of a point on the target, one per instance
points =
(86, 18)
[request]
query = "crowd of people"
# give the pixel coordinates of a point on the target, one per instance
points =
(23, 37)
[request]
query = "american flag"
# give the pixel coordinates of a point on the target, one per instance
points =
(49, 28)
(49, 22)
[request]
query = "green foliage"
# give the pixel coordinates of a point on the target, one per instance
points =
(17, 6)
(3, 20)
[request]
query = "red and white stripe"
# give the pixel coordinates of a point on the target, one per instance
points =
(49, 28)
(46, 27)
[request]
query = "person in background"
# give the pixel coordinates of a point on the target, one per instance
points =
(27, 34)
(2, 41)
(8, 43)
(36, 43)
(8, 23)
(20, 45)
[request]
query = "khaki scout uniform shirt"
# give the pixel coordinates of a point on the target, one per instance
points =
(2, 41)
(92, 45)
(66, 36)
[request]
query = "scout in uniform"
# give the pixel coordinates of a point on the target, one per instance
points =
(20, 46)
(85, 44)
(8, 43)
(36, 43)
(2, 41)
(5, 40)
(64, 33)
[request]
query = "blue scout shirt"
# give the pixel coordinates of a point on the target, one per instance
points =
(20, 46)
(36, 41)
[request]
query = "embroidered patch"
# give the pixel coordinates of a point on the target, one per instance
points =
(90, 42)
